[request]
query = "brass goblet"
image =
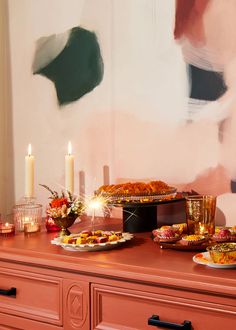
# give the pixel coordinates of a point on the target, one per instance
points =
(65, 223)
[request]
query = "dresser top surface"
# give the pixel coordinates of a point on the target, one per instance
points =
(139, 260)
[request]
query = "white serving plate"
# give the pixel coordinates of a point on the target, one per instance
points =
(205, 259)
(92, 247)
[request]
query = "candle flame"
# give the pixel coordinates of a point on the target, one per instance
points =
(6, 224)
(29, 150)
(69, 148)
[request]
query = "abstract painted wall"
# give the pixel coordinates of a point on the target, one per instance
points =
(161, 105)
(72, 61)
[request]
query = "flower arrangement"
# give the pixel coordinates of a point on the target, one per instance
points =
(63, 206)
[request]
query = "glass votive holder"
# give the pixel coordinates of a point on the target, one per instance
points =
(27, 213)
(50, 225)
(31, 228)
(200, 214)
(7, 229)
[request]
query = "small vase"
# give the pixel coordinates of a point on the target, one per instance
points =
(65, 223)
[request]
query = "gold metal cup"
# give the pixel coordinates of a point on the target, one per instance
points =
(200, 214)
(65, 223)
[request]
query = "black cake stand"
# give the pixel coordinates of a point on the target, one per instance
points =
(142, 216)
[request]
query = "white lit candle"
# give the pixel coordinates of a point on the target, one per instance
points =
(29, 174)
(69, 170)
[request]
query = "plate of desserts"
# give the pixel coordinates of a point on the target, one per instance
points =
(97, 240)
(220, 255)
(176, 237)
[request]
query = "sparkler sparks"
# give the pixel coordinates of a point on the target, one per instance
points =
(95, 204)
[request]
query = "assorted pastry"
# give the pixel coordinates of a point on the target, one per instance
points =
(136, 188)
(169, 234)
(179, 233)
(92, 237)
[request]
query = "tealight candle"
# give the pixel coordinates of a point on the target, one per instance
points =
(31, 227)
(201, 228)
(7, 229)
(23, 221)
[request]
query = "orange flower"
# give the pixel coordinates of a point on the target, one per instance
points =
(58, 202)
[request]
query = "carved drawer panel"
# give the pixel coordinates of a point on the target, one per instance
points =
(125, 309)
(76, 304)
(30, 295)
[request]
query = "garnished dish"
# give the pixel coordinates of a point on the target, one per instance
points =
(92, 240)
(137, 191)
(222, 255)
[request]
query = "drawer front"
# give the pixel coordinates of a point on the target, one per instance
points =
(119, 308)
(10, 322)
(38, 297)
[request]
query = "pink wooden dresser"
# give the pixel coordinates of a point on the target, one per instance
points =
(42, 286)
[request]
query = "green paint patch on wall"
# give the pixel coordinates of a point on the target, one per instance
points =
(77, 69)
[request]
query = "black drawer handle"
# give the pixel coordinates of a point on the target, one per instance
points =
(10, 292)
(155, 321)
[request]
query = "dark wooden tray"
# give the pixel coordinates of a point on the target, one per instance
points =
(181, 247)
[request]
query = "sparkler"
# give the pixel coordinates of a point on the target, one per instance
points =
(96, 203)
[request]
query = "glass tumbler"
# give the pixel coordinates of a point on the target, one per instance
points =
(200, 214)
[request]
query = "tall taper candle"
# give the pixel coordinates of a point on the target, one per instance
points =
(69, 170)
(29, 174)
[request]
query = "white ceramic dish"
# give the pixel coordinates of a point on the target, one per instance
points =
(205, 259)
(92, 247)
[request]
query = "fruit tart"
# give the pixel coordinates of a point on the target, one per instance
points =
(192, 240)
(158, 231)
(223, 235)
(167, 235)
